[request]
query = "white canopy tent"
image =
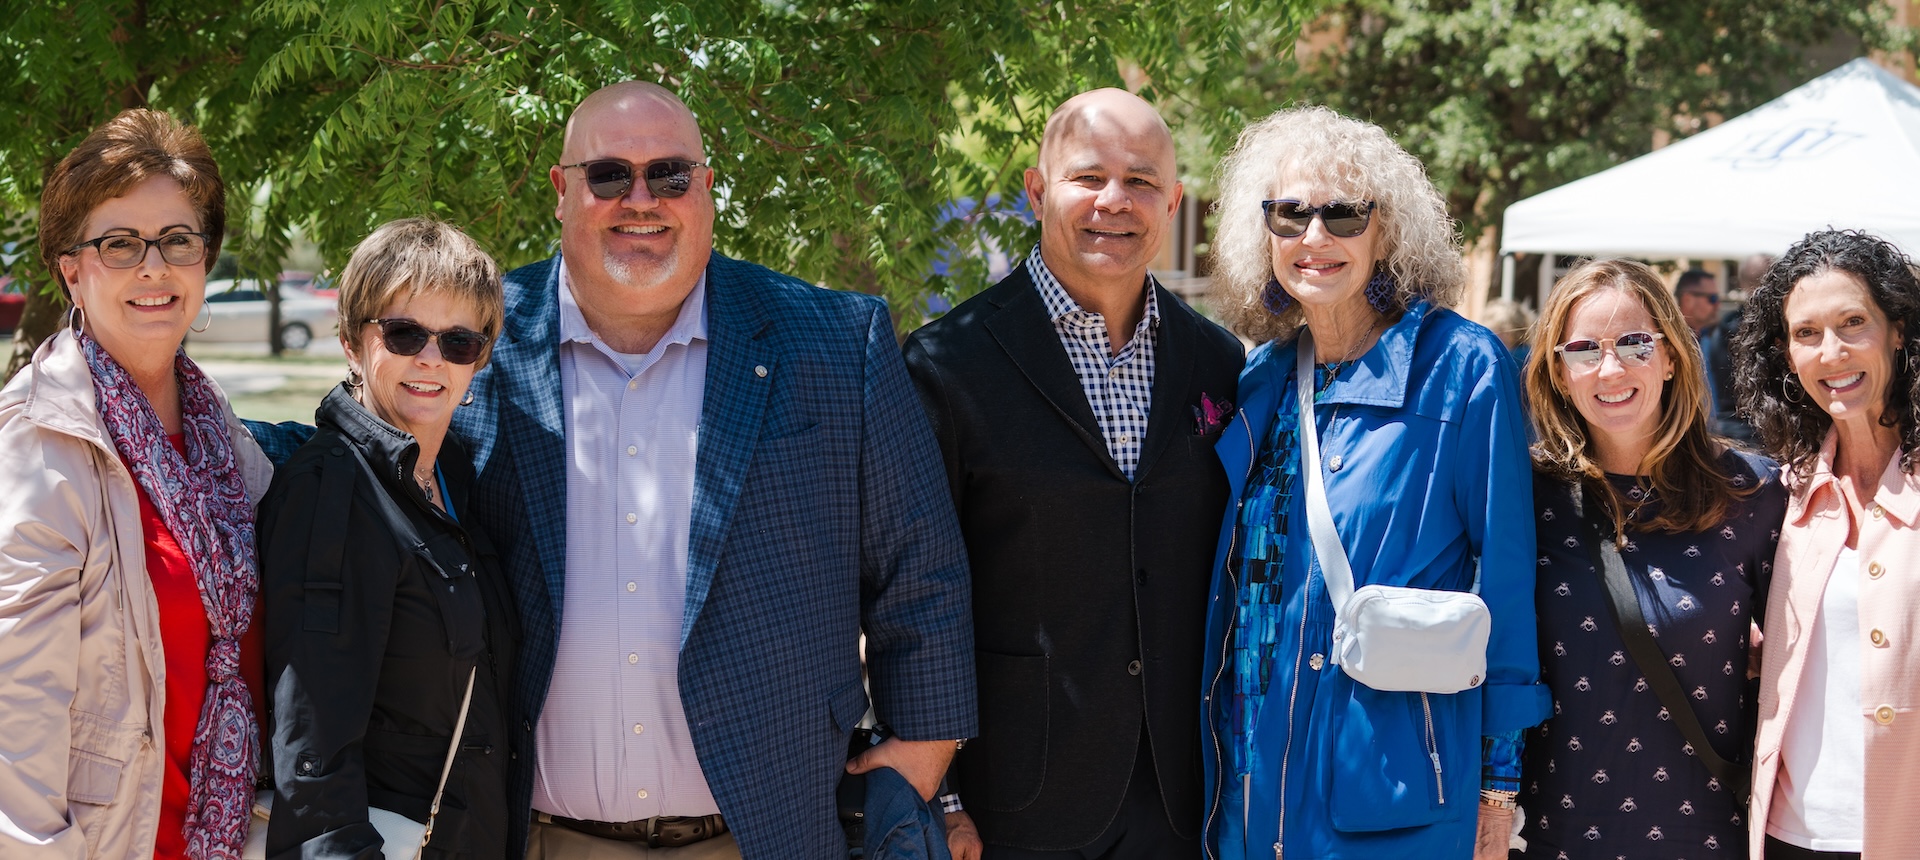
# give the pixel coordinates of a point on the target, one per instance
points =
(1843, 150)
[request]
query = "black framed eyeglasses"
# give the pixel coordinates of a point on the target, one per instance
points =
(126, 251)
(406, 337)
(612, 178)
(1634, 349)
(1290, 218)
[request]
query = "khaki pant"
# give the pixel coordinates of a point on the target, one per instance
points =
(553, 842)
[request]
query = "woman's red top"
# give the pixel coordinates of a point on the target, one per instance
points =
(185, 637)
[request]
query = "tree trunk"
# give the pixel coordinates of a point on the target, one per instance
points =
(275, 344)
(43, 316)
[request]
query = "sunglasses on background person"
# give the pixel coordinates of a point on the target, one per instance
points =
(1634, 349)
(126, 251)
(1712, 298)
(1290, 218)
(612, 178)
(406, 337)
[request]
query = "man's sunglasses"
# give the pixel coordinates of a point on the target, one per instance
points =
(1290, 218)
(1712, 298)
(127, 251)
(612, 178)
(406, 337)
(1634, 349)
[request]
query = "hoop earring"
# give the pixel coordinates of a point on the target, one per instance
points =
(1381, 289)
(208, 324)
(354, 380)
(76, 319)
(1275, 297)
(1786, 390)
(467, 400)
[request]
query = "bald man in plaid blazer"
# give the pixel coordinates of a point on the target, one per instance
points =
(786, 454)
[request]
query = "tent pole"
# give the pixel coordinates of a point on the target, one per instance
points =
(1506, 277)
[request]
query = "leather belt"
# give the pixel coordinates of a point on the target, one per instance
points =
(660, 831)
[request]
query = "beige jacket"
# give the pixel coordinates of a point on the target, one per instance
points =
(82, 676)
(1810, 544)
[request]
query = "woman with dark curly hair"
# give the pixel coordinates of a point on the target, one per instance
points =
(1829, 368)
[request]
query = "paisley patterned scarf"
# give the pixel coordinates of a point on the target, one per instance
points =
(202, 498)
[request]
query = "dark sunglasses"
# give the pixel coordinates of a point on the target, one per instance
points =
(1634, 349)
(612, 178)
(1290, 218)
(406, 337)
(126, 251)
(1712, 298)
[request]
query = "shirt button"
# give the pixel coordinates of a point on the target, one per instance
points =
(631, 586)
(637, 728)
(632, 518)
(1335, 462)
(1133, 668)
(633, 384)
(1879, 638)
(643, 794)
(1884, 715)
(1126, 438)
(632, 450)
(633, 658)
(1875, 570)
(1877, 511)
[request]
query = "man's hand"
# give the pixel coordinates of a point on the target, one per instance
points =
(1496, 833)
(963, 839)
(923, 763)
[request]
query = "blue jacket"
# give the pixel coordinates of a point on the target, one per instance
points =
(1432, 475)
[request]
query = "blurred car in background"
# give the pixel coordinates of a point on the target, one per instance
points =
(13, 301)
(239, 309)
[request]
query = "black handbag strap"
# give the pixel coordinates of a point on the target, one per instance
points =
(1625, 605)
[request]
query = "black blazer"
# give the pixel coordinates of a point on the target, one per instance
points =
(1089, 591)
(371, 628)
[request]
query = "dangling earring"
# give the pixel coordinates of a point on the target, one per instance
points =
(205, 325)
(1786, 390)
(76, 319)
(1275, 297)
(1381, 290)
(467, 400)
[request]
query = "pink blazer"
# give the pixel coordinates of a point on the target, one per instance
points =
(1810, 544)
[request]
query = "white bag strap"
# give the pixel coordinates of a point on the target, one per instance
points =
(1334, 569)
(453, 749)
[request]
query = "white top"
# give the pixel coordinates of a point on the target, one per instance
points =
(612, 742)
(1819, 797)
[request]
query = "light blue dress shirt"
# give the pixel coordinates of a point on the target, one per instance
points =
(612, 742)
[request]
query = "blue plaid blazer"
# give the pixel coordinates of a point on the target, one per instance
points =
(819, 511)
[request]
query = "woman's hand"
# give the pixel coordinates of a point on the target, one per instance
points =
(1496, 833)
(963, 840)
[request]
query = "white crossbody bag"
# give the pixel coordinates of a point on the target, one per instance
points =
(1389, 637)
(404, 837)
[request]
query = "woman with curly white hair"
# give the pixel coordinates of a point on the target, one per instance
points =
(1372, 657)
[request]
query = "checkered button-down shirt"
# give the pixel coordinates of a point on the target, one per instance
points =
(1119, 387)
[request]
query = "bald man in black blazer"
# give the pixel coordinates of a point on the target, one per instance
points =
(1076, 403)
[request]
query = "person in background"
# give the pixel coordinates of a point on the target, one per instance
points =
(1512, 322)
(1328, 227)
(1727, 420)
(1829, 372)
(1625, 453)
(129, 645)
(1074, 402)
(388, 603)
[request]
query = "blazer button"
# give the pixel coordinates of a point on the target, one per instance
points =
(1133, 668)
(1879, 638)
(1884, 715)
(1875, 570)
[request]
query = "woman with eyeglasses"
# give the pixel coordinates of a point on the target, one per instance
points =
(1828, 367)
(1656, 542)
(129, 644)
(1336, 253)
(391, 619)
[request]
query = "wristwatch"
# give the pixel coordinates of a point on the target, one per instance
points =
(1498, 799)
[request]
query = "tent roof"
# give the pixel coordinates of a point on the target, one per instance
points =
(1842, 150)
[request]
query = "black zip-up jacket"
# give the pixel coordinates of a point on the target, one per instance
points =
(375, 611)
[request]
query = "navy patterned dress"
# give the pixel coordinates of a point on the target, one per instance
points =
(1609, 775)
